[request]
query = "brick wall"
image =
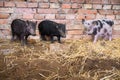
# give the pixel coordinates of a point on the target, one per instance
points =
(69, 12)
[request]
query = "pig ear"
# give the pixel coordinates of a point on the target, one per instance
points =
(27, 22)
(83, 20)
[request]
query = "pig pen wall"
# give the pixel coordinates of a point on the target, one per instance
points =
(69, 12)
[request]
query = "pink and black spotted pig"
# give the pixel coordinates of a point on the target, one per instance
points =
(101, 28)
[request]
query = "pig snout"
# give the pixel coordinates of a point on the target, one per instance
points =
(32, 32)
(62, 34)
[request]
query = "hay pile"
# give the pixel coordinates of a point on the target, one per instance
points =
(71, 60)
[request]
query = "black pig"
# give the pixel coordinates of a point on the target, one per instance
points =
(51, 29)
(22, 29)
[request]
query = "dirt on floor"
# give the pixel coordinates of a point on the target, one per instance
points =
(71, 60)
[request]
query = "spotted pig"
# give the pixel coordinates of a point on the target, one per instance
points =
(100, 28)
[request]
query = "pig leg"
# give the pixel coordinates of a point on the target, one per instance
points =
(18, 36)
(59, 39)
(110, 37)
(105, 37)
(43, 37)
(26, 39)
(22, 40)
(95, 38)
(110, 34)
(51, 38)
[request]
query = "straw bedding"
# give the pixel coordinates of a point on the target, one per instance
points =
(71, 60)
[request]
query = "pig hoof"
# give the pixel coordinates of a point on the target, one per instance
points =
(59, 42)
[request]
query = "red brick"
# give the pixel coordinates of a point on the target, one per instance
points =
(61, 11)
(105, 1)
(90, 16)
(117, 16)
(116, 32)
(106, 12)
(33, 0)
(115, 1)
(75, 5)
(39, 16)
(70, 16)
(75, 31)
(4, 16)
(117, 22)
(74, 0)
(17, 0)
(77, 1)
(116, 11)
(77, 22)
(25, 10)
(38, 0)
(99, 16)
(54, 5)
(50, 16)
(28, 16)
(78, 36)
(53, 0)
(116, 36)
(94, 1)
(110, 16)
(32, 5)
(88, 1)
(116, 27)
(72, 11)
(65, 11)
(5, 26)
(43, 0)
(75, 26)
(6, 10)
(68, 36)
(80, 6)
(66, 6)
(1, 3)
(9, 4)
(60, 16)
(47, 11)
(107, 7)
(116, 7)
(4, 34)
(3, 21)
(21, 4)
(44, 5)
(80, 17)
(61, 21)
(88, 6)
(83, 11)
(97, 6)
(66, 1)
